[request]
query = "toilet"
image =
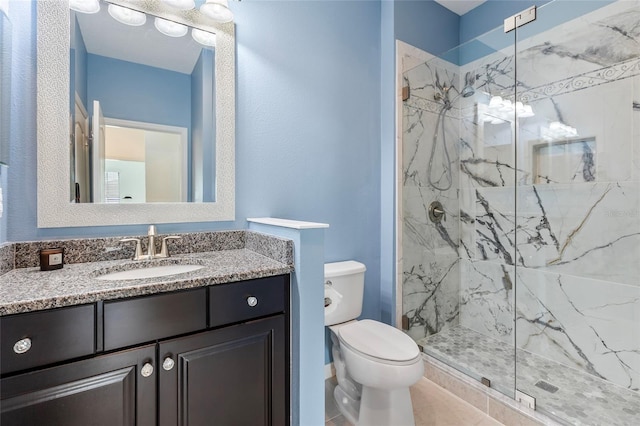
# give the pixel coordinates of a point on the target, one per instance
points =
(375, 363)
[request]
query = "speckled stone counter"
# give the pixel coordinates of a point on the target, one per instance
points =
(252, 255)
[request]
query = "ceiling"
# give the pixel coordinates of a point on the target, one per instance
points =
(460, 6)
(105, 36)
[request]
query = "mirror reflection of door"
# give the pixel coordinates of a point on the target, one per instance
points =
(97, 154)
(81, 181)
(126, 161)
(144, 162)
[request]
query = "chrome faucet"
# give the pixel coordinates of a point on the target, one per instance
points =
(151, 247)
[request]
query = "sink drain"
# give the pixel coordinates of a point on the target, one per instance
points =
(547, 386)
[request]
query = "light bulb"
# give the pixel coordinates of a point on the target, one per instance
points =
(527, 111)
(495, 102)
(203, 37)
(170, 28)
(506, 106)
(127, 16)
(218, 10)
(85, 6)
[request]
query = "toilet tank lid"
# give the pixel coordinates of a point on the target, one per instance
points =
(347, 267)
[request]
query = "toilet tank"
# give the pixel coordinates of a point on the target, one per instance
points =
(344, 288)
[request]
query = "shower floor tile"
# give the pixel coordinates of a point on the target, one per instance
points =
(569, 395)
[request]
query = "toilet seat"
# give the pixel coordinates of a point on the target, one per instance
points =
(379, 342)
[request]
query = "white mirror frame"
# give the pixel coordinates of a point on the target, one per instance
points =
(54, 208)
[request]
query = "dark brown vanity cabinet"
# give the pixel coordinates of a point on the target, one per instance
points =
(232, 376)
(195, 357)
(107, 390)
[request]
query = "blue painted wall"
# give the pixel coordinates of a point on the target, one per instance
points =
(426, 25)
(490, 15)
(308, 136)
(78, 66)
(125, 89)
(21, 187)
(203, 129)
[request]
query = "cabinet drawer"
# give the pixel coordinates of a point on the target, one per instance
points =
(133, 321)
(229, 303)
(55, 335)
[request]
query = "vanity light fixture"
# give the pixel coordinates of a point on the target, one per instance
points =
(218, 10)
(127, 16)
(169, 28)
(204, 37)
(85, 6)
(181, 4)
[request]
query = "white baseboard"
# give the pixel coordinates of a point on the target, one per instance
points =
(329, 371)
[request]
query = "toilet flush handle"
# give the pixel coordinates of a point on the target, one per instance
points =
(327, 300)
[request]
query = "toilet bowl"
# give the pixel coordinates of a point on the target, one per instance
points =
(375, 362)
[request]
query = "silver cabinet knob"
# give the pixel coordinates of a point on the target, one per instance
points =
(252, 301)
(147, 370)
(22, 346)
(168, 363)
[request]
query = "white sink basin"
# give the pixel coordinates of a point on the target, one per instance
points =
(152, 272)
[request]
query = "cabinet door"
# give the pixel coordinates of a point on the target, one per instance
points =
(107, 390)
(231, 376)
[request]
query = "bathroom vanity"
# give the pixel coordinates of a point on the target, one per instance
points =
(198, 348)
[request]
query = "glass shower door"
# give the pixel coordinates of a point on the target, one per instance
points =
(458, 238)
(578, 212)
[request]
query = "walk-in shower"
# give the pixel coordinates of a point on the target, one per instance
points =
(530, 143)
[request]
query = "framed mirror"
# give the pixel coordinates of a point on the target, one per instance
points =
(82, 181)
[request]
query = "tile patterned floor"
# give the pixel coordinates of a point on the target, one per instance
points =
(432, 406)
(580, 398)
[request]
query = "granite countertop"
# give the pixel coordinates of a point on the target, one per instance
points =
(29, 289)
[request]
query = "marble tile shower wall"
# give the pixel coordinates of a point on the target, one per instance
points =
(431, 278)
(577, 238)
